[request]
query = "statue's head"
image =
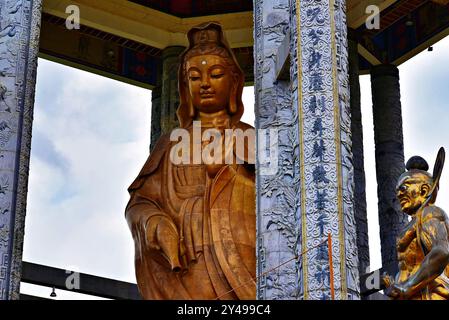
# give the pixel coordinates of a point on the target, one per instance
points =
(210, 79)
(414, 186)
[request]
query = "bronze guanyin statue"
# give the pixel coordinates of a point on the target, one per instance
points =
(423, 245)
(194, 224)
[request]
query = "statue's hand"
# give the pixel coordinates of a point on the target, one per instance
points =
(387, 280)
(396, 291)
(163, 236)
(392, 290)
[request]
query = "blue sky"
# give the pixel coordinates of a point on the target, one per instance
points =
(424, 82)
(91, 136)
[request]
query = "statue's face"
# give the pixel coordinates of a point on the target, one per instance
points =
(411, 191)
(209, 82)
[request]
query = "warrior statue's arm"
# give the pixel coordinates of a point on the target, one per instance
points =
(434, 238)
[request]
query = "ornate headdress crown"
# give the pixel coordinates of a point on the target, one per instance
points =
(205, 37)
(209, 38)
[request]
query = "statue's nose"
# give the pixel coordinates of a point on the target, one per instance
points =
(205, 84)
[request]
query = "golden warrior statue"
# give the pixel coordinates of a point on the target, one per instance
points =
(423, 246)
(194, 224)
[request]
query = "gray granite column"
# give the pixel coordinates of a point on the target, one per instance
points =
(326, 165)
(165, 96)
(277, 204)
(311, 195)
(357, 151)
(19, 45)
(389, 155)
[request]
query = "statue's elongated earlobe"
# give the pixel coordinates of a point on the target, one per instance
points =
(233, 100)
(191, 109)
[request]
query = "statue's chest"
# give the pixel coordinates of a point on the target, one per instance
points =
(410, 254)
(189, 180)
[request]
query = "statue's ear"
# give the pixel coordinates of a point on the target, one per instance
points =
(191, 109)
(425, 190)
(233, 100)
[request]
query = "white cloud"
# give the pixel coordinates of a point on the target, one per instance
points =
(100, 129)
(248, 101)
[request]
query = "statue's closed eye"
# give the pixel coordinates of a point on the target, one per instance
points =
(217, 75)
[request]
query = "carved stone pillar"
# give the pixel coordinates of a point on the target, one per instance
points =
(389, 155)
(19, 46)
(326, 167)
(165, 97)
(277, 193)
(357, 150)
(311, 195)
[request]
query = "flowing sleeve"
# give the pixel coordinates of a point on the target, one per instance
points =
(144, 209)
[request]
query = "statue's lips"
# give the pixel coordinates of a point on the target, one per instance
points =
(207, 96)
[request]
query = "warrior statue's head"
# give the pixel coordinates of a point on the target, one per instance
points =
(210, 79)
(415, 185)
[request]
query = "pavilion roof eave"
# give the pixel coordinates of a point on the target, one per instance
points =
(158, 29)
(149, 26)
(422, 47)
(357, 10)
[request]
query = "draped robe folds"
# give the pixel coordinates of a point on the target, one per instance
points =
(215, 221)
